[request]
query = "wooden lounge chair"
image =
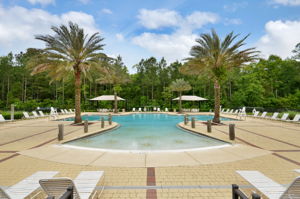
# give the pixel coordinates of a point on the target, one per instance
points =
(270, 188)
(83, 185)
(26, 186)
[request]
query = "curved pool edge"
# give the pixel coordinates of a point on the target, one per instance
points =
(143, 151)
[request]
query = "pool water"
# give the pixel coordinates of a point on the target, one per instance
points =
(147, 132)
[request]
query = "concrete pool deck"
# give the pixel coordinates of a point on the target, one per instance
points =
(279, 141)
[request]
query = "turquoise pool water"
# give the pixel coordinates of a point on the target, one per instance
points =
(146, 132)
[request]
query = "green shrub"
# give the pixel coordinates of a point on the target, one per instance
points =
(17, 115)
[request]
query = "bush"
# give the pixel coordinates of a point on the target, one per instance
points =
(17, 115)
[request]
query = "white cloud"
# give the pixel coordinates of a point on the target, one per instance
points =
(18, 25)
(119, 37)
(235, 6)
(287, 2)
(106, 11)
(154, 19)
(176, 45)
(280, 39)
(173, 47)
(42, 2)
(234, 21)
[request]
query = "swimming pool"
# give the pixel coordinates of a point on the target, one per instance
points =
(147, 132)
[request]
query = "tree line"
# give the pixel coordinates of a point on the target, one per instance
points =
(270, 83)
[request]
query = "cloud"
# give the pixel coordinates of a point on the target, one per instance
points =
(160, 18)
(154, 19)
(176, 45)
(119, 37)
(234, 21)
(18, 25)
(235, 6)
(42, 2)
(173, 47)
(286, 2)
(280, 39)
(106, 11)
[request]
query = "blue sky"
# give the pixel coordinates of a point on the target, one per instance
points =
(138, 29)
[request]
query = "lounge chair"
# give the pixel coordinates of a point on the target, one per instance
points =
(145, 109)
(133, 109)
(71, 111)
(296, 118)
(236, 112)
(2, 119)
(35, 114)
(27, 116)
(154, 108)
(166, 110)
(255, 114)
(263, 115)
(274, 116)
(42, 114)
(284, 117)
(83, 185)
(270, 188)
(158, 109)
(26, 186)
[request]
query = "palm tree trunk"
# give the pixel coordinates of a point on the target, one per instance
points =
(217, 102)
(77, 97)
(180, 108)
(116, 102)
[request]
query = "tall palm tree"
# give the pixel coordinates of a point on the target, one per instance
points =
(69, 51)
(180, 85)
(215, 57)
(116, 74)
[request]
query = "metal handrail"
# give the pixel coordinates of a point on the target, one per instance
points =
(237, 193)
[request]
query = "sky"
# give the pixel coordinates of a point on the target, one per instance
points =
(137, 29)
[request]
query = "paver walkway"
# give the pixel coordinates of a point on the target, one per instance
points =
(201, 181)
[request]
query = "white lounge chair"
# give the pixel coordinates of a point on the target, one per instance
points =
(270, 188)
(166, 110)
(35, 114)
(140, 109)
(71, 111)
(274, 116)
(42, 114)
(145, 109)
(83, 185)
(158, 109)
(2, 119)
(66, 111)
(27, 116)
(255, 114)
(296, 118)
(133, 109)
(263, 115)
(284, 117)
(26, 186)
(154, 108)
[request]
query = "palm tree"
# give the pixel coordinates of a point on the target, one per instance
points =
(69, 52)
(116, 74)
(215, 57)
(180, 85)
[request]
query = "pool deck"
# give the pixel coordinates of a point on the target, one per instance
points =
(271, 147)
